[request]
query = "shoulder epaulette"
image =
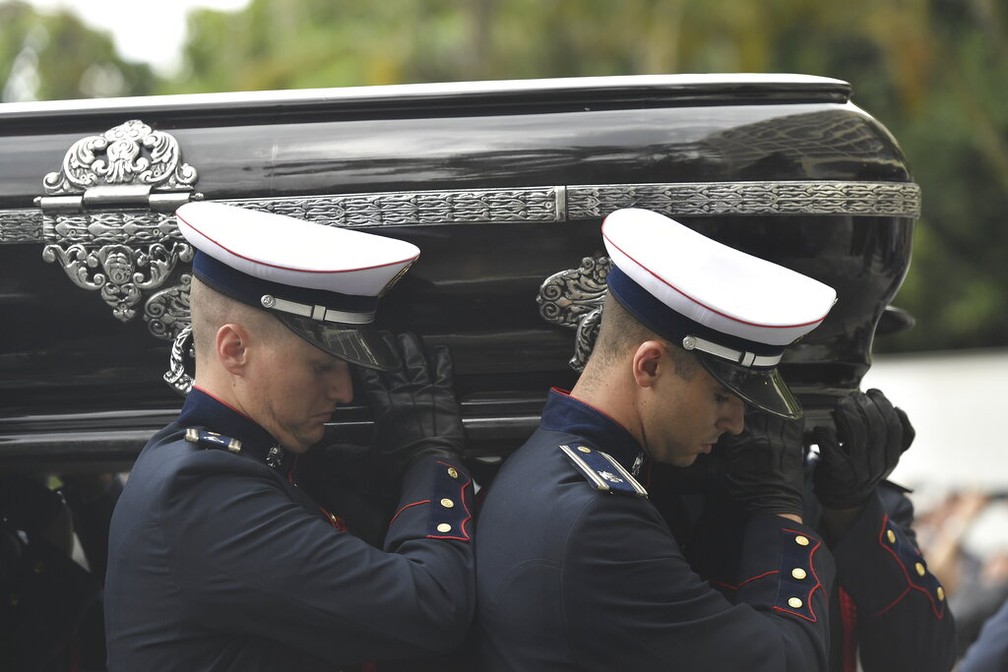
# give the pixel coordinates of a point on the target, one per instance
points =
(274, 456)
(602, 471)
(207, 439)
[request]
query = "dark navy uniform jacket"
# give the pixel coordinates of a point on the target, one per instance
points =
(576, 578)
(887, 611)
(218, 562)
(893, 613)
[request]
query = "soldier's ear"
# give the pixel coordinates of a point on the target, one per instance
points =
(647, 362)
(232, 348)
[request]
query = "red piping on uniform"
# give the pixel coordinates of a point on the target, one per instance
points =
(910, 584)
(749, 580)
(218, 399)
(782, 610)
(408, 506)
(462, 498)
(899, 598)
(848, 620)
(811, 592)
(334, 520)
(567, 393)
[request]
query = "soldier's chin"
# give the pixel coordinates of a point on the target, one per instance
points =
(677, 460)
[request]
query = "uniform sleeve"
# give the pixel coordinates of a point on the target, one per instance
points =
(631, 601)
(244, 553)
(902, 619)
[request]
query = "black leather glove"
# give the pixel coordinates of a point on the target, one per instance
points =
(762, 468)
(864, 448)
(414, 407)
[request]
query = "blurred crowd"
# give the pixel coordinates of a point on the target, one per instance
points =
(964, 536)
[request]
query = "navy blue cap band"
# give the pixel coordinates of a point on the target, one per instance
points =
(670, 324)
(250, 290)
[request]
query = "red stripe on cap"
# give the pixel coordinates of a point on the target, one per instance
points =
(287, 268)
(701, 303)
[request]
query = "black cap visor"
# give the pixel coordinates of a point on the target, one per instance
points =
(763, 388)
(357, 344)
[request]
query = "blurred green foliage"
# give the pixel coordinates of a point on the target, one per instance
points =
(933, 71)
(55, 56)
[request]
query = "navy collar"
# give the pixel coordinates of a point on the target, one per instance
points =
(201, 410)
(564, 413)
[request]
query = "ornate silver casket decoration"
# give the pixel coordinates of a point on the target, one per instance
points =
(107, 214)
(177, 376)
(573, 299)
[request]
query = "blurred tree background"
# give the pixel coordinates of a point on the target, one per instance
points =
(933, 71)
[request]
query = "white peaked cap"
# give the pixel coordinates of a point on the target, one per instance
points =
(323, 282)
(737, 311)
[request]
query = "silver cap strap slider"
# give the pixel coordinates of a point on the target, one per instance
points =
(315, 311)
(741, 357)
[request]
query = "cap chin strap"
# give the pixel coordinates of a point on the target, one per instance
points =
(315, 312)
(741, 357)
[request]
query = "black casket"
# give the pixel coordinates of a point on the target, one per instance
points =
(502, 185)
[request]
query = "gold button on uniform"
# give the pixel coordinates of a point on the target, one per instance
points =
(453, 472)
(447, 503)
(444, 527)
(584, 449)
(798, 573)
(941, 593)
(802, 540)
(794, 602)
(920, 569)
(891, 536)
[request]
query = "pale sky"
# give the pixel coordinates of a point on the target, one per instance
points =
(149, 31)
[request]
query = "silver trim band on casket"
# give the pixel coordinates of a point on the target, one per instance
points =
(554, 204)
(127, 254)
(531, 204)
